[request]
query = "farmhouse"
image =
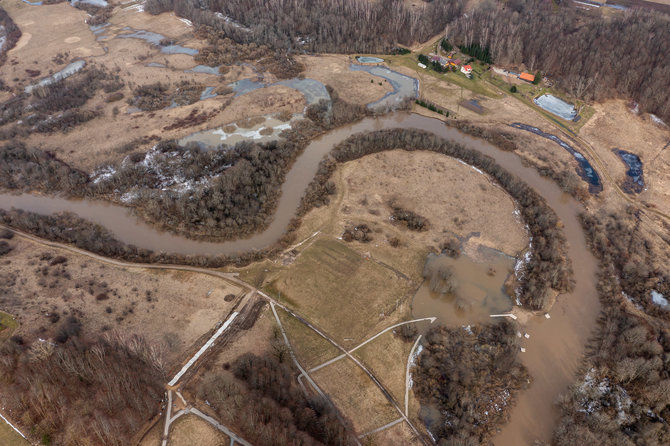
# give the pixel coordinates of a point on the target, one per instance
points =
(466, 69)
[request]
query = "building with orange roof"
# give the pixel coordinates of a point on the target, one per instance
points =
(527, 77)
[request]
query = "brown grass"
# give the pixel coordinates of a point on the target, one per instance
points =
(340, 291)
(179, 308)
(190, 429)
(355, 395)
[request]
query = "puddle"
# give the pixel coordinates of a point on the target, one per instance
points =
(403, 86)
(473, 105)
(365, 59)
(155, 65)
(462, 292)
(203, 69)
(208, 93)
(66, 72)
(556, 106)
(585, 169)
(635, 180)
(98, 3)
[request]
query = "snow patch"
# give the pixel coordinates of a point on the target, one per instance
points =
(659, 299)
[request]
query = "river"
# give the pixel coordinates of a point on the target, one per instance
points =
(556, 345)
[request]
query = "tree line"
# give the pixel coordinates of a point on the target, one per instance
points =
(341, 26)
(591, 57)
(79, 392)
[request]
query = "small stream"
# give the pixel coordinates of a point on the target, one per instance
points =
(585, 170)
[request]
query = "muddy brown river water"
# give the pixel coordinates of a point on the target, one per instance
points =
(555, 346)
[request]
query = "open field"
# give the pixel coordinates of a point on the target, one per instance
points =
(310, 348)
(190, 429)
(9, 437)
(43, 287)
(386, 357)
(356, 87)
(355, 395)
(347, 294)
(614, 125)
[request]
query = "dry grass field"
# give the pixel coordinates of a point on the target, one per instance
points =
(355, 395)
(347, 295)
(356, 87)
(191, 430)
(42, 287)
(615, 126)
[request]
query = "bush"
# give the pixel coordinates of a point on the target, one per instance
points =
(513, 89)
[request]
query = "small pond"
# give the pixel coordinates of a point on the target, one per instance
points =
(366, 59)
(635, 180)
(558, 107)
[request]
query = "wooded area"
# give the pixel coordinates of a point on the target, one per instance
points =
(77, 392)
(341, 26)
(466, 380)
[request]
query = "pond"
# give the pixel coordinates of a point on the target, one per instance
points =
(366, 59)
(556, 106)
(156, 39)
(584, 169)
(635, 179)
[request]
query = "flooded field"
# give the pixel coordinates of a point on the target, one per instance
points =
(366, 59)
(463, 292)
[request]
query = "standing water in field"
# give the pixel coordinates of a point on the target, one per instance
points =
(634, 182)
(366, 59)
(460, 291)
(66, 72)
(585, 169)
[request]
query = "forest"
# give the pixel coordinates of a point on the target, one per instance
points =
(341, 26)
(591, 57)
(623, 396)
(466, 380)
(78, 392)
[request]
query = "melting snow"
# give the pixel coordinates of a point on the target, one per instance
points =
(658, 298)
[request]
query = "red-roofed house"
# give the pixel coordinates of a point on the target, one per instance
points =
(527, 77)
(466, 69)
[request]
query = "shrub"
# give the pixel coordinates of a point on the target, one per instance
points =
(513, 89)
